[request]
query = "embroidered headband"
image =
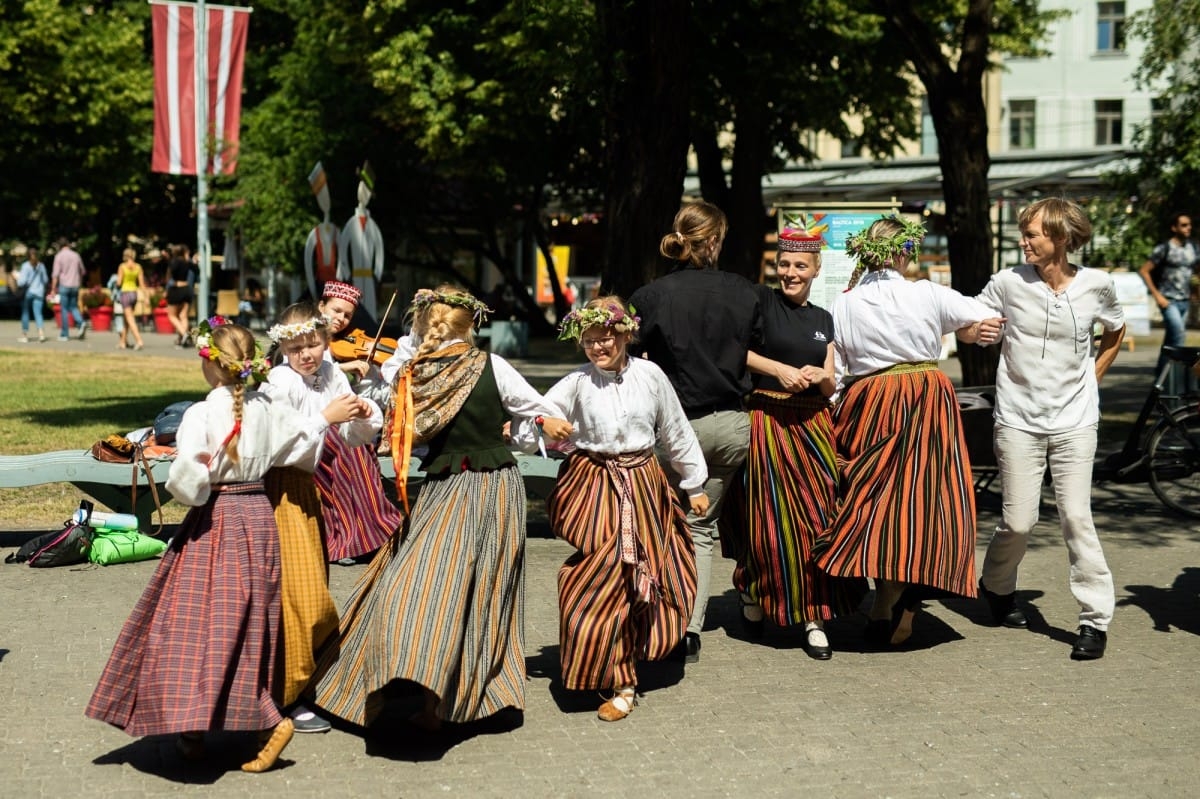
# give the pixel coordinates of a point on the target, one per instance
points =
(280, 333)
(883, 251)
(337, 290)
(258, 365)
(612, 316)
(427, 297)
(792, 240)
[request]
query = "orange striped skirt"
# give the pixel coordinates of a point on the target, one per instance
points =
(908, 503)
(605, 622)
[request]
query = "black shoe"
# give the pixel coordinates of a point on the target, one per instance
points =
(1004, 608)
(816, 645)
(307, 721)
(688, 649)
(752, 627)
(1090, 644)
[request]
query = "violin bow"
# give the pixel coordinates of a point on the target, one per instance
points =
(379, 332)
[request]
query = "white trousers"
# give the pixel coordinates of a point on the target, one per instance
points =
(1022, 458)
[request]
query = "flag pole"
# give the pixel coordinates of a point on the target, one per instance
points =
(203, 249)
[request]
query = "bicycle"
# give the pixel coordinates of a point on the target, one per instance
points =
(1168, 455)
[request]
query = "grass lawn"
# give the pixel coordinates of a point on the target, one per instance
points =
(71, 403)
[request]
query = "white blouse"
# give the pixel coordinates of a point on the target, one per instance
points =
(626, 412)
(312, 394)
(887, 319)
(272, 434)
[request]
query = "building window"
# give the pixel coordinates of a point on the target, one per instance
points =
(1159, 106)
(1108, 121)
(850, 149)
(1110, 27)
(929, 142)
(1021, 118)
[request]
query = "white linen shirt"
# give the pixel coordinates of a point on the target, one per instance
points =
(312, 394)
(886, 320)
(627, 413)
(1046, 380)
(272, 435)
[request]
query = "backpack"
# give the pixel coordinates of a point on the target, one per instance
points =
(166, 424)
(63, 547)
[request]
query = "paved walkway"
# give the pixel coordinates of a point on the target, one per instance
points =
(966, 710)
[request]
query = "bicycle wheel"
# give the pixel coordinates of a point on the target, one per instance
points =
(1174, 458)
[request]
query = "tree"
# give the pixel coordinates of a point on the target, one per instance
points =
(76, 84)
(1165, 176)
(755, 106)
(949, 44)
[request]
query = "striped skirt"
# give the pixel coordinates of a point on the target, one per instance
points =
(198, 652)
(908, 503)
(778, 507)
(308, 611)
(442, 604)
(603, 627)
(359, 517)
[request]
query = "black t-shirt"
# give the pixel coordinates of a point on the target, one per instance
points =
(697, 325)
(798, 335)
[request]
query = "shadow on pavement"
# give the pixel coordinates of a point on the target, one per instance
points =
(1174, 608)
(157, 755)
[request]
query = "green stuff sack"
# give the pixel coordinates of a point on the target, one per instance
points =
(122, 546)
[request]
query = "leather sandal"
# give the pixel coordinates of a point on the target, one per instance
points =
(619, 706)
(280, 738)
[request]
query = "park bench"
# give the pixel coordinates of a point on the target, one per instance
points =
(110, 483)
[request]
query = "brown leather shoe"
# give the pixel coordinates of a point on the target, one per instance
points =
(280, 738)
(620, 706)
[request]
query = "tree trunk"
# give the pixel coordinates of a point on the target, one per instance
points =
(646, 130)
(743, 250)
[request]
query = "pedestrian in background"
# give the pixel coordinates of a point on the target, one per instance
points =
(1048, 410)
(697, 324)
(1168, 274)
(66, 279)
(33, 278)
(132, 281)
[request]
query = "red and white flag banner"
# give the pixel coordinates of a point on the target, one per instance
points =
(176, 114)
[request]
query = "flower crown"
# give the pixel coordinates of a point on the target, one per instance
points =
(202, 335)
(280, 333)
(883, 252)
(612, 316)
(427, 297)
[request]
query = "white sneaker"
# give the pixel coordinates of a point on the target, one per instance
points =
(64, 338)
(83, 328)
(24, 339)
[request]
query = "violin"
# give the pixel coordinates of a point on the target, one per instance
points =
(358, 345)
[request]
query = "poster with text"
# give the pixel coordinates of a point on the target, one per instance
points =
(833, 227)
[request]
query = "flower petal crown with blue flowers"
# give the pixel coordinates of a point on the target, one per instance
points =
(427, 297)
(258, 366)
(612, 316)
(882, 252)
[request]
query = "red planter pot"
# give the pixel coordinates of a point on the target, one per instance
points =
(162, 322)
(100, 318)
(58, 319)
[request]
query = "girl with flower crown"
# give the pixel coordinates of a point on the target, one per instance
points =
(627, 593)
(358, 515)
(442, 604)
(907, 516)
(199, 651)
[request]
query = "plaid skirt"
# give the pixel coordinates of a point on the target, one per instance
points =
(359, 517)
(442, 604)
(604, 628)
(908, 503)
(198, 652)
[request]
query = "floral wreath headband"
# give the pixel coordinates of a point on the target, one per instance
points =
(280, 333)
(612, 316)
(427, 297)
(883, 252)
(202, 335)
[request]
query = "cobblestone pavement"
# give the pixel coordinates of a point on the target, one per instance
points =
(965, 710)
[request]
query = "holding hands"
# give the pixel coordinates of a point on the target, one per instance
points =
(556, 429)
(346, 408)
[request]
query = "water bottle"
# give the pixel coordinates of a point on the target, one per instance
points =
(107, 521)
